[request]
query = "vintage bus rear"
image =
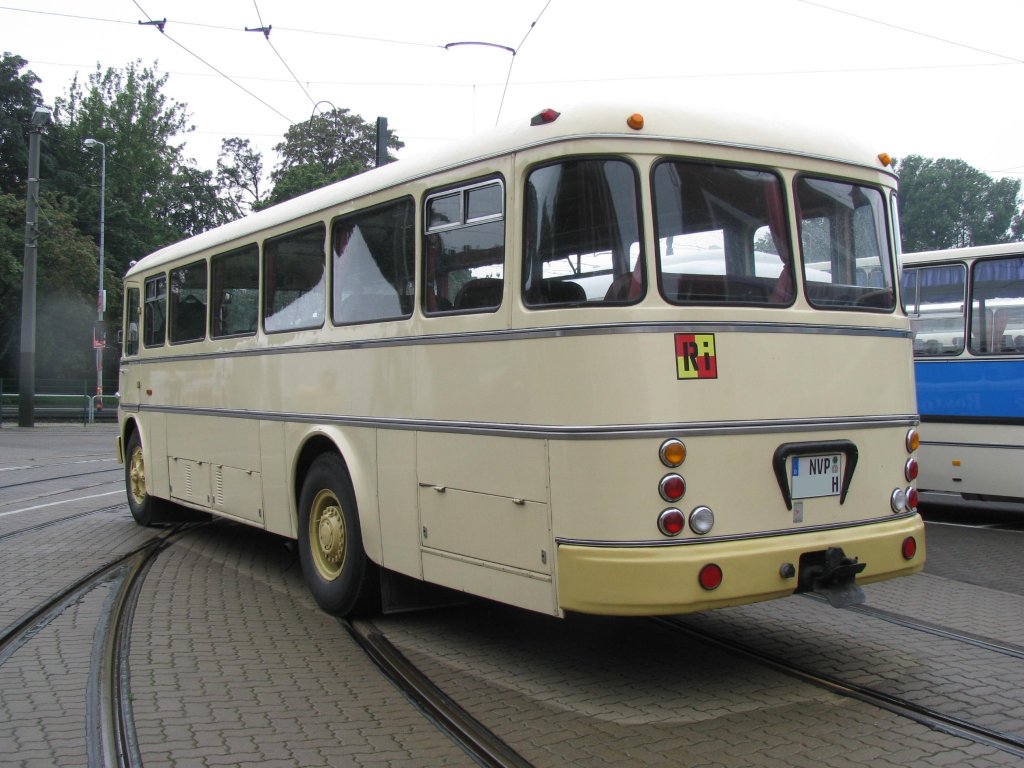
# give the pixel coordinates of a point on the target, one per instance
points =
(606, 362)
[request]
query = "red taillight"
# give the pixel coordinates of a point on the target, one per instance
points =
(910, 470)
(672, 487)
(912, 498)
(671, 522)
(909, 548)
(544, 117)
(710, 576)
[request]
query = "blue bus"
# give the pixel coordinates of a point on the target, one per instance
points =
(966, 308)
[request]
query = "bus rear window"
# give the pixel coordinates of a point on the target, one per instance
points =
(721, 235)
(845, 249)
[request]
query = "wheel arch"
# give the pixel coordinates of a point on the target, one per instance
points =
(361, 475)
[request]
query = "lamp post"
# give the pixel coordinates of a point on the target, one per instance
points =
(27, 372)
(101, 304)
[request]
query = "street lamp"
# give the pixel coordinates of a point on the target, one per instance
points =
(27, 372)
(101, 298)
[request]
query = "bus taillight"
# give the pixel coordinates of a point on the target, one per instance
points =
(672, 488)
(710, 576)
(672, 452)
(913, 440)
(671, 522)
(912, 499)
(702, 520)
(909, 548)
(910, 470)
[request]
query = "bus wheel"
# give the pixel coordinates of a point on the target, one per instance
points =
(334, 563)
(141, 504)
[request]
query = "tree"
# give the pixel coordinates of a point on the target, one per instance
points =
(240, 175)
(948, 204)
(154, 196)
(325, 149)
(18, 98)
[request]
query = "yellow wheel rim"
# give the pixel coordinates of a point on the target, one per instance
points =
(327, 535)
(137, 477)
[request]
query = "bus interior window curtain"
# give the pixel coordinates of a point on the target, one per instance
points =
(784, 290)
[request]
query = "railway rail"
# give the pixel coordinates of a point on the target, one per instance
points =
(899, 705)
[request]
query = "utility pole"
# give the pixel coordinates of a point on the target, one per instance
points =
(98, 336)
(27, 372)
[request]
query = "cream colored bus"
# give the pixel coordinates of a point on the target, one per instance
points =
(604, 361)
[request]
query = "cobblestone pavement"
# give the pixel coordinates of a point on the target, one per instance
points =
(231, 663)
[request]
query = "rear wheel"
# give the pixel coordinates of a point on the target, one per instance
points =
(141, 504)
(337, 571)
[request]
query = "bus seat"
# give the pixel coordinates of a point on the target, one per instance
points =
(625, 287)
(558, 292)
(482, 293)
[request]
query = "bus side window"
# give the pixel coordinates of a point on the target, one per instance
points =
(154, 319)
(131, 322)
(187, 320)
(295, 280)
(373, 263)
(582, 242)
(464, 249)
(235, 292)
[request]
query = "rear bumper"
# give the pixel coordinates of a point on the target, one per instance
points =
(661, 580)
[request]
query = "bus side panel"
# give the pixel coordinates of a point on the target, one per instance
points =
(399, 517)
(215, 463)
(982, 459)
(278, 508)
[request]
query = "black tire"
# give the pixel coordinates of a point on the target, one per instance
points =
(141, 504)
(342, 579)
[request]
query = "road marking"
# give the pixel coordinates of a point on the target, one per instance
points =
(58, 503)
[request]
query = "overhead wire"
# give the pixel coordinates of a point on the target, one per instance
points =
(265, 29)
(508, 75)
(211, 66)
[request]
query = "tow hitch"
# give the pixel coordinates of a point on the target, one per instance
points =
(832, 574)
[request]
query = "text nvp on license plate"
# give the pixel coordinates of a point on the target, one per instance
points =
(812, 476)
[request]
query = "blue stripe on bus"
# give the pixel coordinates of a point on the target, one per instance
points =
(983, 389)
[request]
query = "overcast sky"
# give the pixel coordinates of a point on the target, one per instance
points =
(939, 78)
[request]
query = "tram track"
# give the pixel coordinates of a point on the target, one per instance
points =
(927, 716)
(51, 478)
(976, 641)
(59, 520)
(109, 728)
(482, 744)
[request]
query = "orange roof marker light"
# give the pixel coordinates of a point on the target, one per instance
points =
(885, 159)
(545, 117)
(635, 121)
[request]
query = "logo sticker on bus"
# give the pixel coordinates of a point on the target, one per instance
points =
(695, 356)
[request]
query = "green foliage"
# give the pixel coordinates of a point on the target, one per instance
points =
(327, 148)
(240, 175)
(66, 261)
(18, 98)
(948, 204)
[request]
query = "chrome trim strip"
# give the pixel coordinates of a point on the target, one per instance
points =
(553, 431)
(607, 329)
(949, 444)
(732, 537)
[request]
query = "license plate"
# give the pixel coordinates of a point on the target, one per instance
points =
(813, 476)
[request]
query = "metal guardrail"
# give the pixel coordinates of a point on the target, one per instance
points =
(51, 406)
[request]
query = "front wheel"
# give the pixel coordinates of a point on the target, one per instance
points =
(334, 564)
(141, 504)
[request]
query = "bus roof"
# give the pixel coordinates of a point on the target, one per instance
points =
(588, 121)
(960, 254)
